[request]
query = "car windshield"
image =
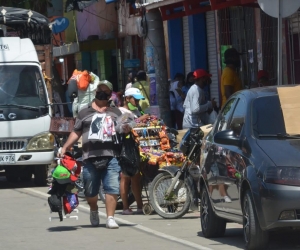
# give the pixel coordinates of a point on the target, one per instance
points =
(22, 85)
(267, 117)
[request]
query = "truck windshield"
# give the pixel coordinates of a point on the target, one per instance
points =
(23, 85)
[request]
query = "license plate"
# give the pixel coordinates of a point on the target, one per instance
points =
(9, 158)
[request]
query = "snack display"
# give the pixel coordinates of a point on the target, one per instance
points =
(154, 143)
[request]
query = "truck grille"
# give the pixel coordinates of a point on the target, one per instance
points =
(12, 145)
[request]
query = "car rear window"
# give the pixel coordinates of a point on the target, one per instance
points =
(267, 117)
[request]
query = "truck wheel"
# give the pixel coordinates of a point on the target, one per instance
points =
(12, 174)
(41, 175)
(26, 173)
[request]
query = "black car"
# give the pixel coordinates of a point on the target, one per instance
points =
(251, 168)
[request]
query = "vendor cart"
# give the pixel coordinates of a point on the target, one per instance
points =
(157, 150)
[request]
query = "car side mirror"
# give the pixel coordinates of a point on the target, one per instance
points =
(227, 137)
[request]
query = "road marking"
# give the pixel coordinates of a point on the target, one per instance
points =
(139, 227)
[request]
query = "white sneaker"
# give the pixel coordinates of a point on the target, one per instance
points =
(111, 223)
(94, 218)
(227, 199)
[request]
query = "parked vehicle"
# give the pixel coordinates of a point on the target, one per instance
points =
(174, 191)
(251, 168)
(26, 146)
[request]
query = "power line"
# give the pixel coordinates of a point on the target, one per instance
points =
(103, 18)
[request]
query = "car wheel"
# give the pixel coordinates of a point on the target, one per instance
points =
(254, 236)
(212, 225)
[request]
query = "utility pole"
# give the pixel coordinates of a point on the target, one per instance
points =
(155, 55)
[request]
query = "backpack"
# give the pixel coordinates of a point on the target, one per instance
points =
(55, 205)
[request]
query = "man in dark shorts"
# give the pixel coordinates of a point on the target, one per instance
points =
(99, 156)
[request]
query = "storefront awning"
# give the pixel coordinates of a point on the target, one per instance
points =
(221, 4)
(171, 9)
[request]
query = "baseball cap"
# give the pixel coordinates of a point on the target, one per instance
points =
(61, 174)
(231, 52)
(136, 93)
(200, 73)
(107, 83)
(262, 73)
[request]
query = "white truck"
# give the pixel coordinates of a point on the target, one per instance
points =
(26, 146)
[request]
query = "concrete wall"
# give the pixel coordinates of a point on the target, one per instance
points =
(99, 19)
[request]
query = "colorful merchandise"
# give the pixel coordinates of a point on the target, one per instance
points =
(154, 143)
(63, 190)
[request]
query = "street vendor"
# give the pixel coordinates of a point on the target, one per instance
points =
(132, 98)
(100, 151)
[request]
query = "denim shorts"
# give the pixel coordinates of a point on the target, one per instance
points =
(110, 177)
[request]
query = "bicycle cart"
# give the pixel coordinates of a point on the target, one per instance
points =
(157, 149)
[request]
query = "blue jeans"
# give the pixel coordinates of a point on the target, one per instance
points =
(110, 178)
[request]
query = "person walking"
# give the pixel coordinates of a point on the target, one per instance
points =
(195, 105)
(230, 80)
(132, 98)
(99, 156)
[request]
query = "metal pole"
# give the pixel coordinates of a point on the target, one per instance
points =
(155, 52)
(279, 60)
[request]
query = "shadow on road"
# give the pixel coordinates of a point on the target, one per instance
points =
(282, 240)
(182, 218)
(74, 228)
(63, 228)
(232, 237)
(4, 184)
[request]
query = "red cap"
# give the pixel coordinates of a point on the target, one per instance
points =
(262, 73)
(200, 73)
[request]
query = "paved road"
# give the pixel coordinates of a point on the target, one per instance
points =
(24, 224)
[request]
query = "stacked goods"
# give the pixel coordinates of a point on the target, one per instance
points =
(154, 143)
(63, 190)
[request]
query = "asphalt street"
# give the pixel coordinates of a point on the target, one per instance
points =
(24, 224)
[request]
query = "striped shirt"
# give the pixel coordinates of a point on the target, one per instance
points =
(92, 149)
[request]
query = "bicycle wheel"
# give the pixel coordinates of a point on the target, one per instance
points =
(177, 204)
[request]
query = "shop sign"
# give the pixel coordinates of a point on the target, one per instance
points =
(132, 63)
(59, 24)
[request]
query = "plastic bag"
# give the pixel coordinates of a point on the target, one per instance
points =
(212, 117)
(124, 121)
(70, 202)
(129, 159)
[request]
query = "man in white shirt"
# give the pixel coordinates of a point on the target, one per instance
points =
(195, 105)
